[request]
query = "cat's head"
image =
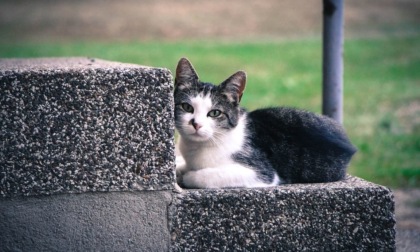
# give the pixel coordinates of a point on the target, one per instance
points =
(203, 111)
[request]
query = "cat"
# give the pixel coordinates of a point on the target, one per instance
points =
(224, 146)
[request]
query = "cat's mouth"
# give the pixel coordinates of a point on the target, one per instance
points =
(197, 136)
(200, 135)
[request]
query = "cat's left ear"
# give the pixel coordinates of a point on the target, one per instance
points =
(185, 76)
(234, 86)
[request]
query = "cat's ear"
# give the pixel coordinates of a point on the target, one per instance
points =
(234, 86)
(185, 76)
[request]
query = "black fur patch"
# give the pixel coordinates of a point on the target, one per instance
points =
(300, 146)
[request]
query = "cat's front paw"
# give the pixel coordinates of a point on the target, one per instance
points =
(194, 179)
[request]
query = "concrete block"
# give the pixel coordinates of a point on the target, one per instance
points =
(70, 125)
(350, 215)
(112, 221)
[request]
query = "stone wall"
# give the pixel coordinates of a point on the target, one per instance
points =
(76, 125)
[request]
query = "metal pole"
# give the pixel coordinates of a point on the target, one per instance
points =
(332, 69)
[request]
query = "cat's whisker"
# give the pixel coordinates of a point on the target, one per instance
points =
(219, 139)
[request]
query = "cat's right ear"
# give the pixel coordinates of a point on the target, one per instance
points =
(185, 76)
(234, 86)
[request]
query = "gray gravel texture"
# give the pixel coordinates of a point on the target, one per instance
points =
(78, 124)
(351, 215)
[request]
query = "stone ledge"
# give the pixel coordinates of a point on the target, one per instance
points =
(351, 215)
(71, 125)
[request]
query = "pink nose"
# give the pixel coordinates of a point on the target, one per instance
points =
(196, 125)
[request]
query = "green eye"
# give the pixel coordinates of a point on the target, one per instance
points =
(187, 107)
(214, 113)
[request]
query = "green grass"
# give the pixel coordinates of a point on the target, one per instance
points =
(382, 87)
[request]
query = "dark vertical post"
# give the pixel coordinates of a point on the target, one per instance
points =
(332, 69)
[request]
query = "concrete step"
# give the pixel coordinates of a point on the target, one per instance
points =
(77, 124)
(350, 215)
(87, 164)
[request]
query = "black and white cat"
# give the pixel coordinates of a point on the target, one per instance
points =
(222, 145)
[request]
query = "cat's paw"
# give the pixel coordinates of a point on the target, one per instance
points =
(193, 179)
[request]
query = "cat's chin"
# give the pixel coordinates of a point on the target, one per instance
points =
(195, 137)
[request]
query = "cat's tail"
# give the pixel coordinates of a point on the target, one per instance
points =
(334, 150)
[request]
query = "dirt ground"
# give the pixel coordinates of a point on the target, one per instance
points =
(127, 20)
(110, 20)
(407, 214)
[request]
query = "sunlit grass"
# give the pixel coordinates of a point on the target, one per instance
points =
(382, 86)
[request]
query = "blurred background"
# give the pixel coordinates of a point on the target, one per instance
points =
(278, 43)
(140, 20)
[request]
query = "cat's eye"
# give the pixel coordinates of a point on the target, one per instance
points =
(187, 107)
(214, 113)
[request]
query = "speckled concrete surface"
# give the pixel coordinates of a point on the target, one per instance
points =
(352, 215)
(76, 124)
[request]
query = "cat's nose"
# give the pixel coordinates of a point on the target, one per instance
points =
(196, 125)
